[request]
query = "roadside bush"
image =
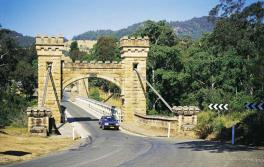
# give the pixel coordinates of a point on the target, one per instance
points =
(12, 110)
(219, 124)
(19, 119)
(94, 94)
(152, 112)
(222, 126)
(250, 130)
(249, 126)
(205, 125)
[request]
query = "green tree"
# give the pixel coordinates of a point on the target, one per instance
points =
(18, 79)
(106, 49)
(75, 53)
(241, 29)
(163, 64)
(227, 8)
(160, 33)
(74, 46)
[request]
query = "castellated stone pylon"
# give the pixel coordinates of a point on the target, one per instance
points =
(49, 51)
(134, 53)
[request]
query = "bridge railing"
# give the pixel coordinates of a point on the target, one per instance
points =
(99, 108)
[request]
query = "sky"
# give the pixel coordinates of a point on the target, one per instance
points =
(73, 17)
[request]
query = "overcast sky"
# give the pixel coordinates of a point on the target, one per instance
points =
(72, 17)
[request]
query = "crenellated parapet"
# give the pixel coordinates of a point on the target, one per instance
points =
(49, 40)
(187, 116)
(49, 45)
(93, 65)
(186, 110)
(134, 46)
(38, 120)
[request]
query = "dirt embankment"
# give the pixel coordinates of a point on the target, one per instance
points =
(17, 145)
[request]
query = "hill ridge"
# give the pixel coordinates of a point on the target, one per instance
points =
(194, 28)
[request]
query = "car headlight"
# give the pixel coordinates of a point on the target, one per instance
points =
(106, 123)
(117, 124)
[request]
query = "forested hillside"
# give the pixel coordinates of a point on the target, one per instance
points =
(22, 41)
(193, 28)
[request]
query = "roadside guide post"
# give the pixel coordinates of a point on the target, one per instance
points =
(233, 134)
(73, 132)
(169, 128)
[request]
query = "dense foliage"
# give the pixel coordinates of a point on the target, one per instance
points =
(18, 70)
(75, 53)
(106, 48)
(225, 66)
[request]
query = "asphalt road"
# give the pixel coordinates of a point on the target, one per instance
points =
(109, 148)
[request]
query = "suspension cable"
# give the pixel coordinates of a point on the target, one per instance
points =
(154, 90)
(46, 85)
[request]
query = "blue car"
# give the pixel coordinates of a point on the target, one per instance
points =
(109, 122)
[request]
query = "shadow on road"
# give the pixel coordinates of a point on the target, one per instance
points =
(80, 119)
(213, 147)
(73, 119)
(15, 153)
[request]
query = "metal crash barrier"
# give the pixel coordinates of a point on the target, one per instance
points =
(99, 108)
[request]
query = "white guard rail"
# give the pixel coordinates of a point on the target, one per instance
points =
(99, 108)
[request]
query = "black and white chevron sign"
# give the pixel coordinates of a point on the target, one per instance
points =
(254, 106)
(218, 106)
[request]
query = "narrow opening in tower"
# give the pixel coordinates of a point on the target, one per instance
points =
(49, 65)
(135, 66)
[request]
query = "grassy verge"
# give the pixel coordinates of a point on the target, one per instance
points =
(248, 124)
(100, 95)
(17, 145)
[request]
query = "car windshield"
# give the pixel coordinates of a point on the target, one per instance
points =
(110, 118)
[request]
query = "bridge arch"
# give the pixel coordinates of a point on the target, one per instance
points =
(134, 53)
(110, 79)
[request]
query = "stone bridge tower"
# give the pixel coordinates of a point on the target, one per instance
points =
(49, 51)
(134, 53)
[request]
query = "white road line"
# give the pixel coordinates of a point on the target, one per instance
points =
(99, 158)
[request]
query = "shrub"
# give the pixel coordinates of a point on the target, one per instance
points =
(250, 130)
(152, 112)
(19, 119)
(218, 124)
(205, 126)
(12, 110)
(94, 94)
(222, 126)
(249, 126)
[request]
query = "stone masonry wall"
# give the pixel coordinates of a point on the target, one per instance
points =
(158, 123)
(177, 123)
(49, 50)
(134, 53)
